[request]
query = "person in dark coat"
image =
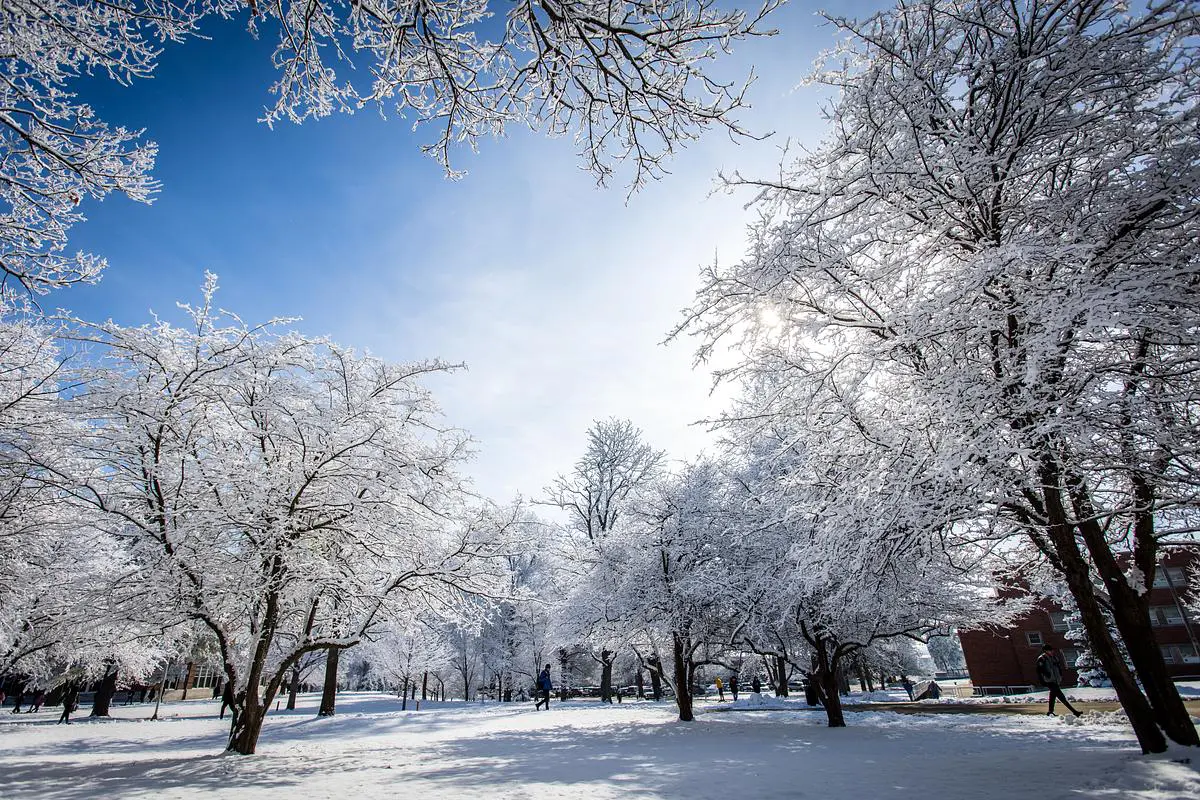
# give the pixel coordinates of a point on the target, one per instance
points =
(733, 686)
(544, 687)
(19, 700)
(70, 703)
(1049, 671)
(226, 699)
(756, 685)
(38, 699)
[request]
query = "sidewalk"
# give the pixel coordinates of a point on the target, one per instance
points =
(1193, 707)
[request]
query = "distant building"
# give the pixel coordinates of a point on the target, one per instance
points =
(1002, 659)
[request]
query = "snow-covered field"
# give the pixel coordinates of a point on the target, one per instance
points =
(636, 750)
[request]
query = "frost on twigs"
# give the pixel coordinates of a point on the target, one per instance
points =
(626, 79)
(1000, 236)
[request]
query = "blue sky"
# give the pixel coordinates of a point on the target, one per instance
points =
(555, 292)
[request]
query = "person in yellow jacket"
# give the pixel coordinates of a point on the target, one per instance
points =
(720, 691)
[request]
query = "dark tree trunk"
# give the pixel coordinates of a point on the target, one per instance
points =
(828, 680)
(329, 693)
(781, 672)
(246, 726)
(294, 687)
(655, 669)
(683, 679)
(606, 665)
(1131, 613)
(404, 696)
(424, 685)
(104, 694)
(1061, 535)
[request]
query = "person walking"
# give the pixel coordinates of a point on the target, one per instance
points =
(70, 703)
(18, 701)
(1049, 672)
(720, 690)
(226, 699)
(38, 699)
(756, 685)
(908, 686)
(544, 686)
(733, 686)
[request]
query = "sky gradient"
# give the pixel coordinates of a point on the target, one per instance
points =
(555, 292)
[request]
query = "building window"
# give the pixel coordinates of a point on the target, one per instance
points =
(1034, 638)
(1165, 615)
(1178, 579)
(1070, 656)
(206, 678)
(1180, 654)
(1058, 620)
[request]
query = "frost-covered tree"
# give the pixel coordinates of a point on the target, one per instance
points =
(664, 579)
(616, 463)
(403, 653)
(627, 80)
(597, 496)
(947, 653)
(259, 474)
(1002, 226)
(843, 543)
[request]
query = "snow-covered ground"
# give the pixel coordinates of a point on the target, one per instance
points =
(582, 750)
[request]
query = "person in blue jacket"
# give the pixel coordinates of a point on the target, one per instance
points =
(544, 686)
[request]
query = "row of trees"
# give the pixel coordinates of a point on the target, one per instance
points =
(238, 489)
(782, 550)
(984, 282)
(276, 494)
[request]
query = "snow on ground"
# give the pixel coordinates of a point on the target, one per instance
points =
(580, 750)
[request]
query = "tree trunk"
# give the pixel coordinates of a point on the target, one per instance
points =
(294, 686)
(246, 726)
(606, 665)
(329, 693)
(826, 669)
(683, 682)
(1131, 613)
(404, 695)
(781, 670)
(424, 685)
(1075, 570)
(655, 669)
(104, 694)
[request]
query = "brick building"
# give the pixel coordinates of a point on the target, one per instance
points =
(1001, 660)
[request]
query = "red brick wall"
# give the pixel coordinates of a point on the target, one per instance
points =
(1003, 656)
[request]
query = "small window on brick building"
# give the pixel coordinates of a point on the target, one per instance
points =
(1178, 579)
(1070, 656)
(1165, 615)
(1058, 620)
(1034, 638)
